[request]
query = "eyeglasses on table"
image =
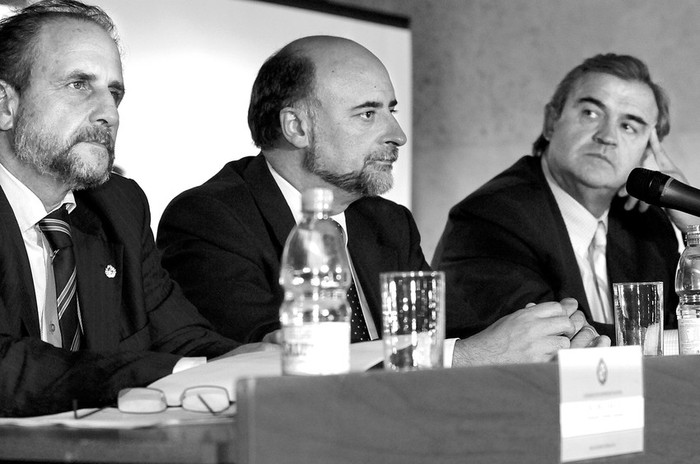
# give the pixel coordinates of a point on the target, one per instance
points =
(145, 400)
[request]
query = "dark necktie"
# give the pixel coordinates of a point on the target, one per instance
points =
(358, 326)
(56, 229)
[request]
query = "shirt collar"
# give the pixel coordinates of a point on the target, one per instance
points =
(28, 208)
(293, 198)
(580, 223)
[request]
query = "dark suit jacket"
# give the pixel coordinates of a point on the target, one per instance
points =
(137, 325)
(223, 241)
(506, 245)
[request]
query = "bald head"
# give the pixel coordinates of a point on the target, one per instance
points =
(292, 75)
(331, 52)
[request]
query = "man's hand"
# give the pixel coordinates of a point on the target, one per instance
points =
(656, 159)
(586, 336)
(533, 334)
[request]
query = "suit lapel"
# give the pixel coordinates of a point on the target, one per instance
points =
(370, 257)
(16, 284)
(99, 268)
(270, 201)
(620, 256)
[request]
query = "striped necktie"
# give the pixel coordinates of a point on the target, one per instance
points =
(358, 326)
(57, 231)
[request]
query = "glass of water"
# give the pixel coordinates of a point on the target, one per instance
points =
(413, 319)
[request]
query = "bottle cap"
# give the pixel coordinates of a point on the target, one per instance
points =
(317, 199)
(693, 234)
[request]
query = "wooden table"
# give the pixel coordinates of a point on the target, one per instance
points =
(506, 414)
(211, 443)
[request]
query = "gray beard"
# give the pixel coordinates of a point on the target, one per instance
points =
(371, 180)
(52, 157)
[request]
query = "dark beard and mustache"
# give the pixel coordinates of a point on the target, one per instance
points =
(371, 180)
(53, 157)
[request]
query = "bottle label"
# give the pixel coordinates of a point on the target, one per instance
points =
(316, 349)
(689, 336)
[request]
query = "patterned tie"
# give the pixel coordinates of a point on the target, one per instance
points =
(358, 326)
(601, 306)
(56, 229)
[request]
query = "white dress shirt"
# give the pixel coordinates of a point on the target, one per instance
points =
(581, 226)
(29, 210)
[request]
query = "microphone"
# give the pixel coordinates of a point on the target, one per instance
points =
(656, 188)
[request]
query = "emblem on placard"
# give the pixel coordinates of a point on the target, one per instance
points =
(110, 271)
(602, 372)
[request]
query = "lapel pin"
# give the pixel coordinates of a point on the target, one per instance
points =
(110, 272)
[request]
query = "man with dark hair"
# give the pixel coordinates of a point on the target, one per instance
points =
(85, 307)
(555, 225)
(322, 110)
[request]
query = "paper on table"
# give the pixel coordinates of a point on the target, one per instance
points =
(226, 372)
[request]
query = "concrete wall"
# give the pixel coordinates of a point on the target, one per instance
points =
(483, 70)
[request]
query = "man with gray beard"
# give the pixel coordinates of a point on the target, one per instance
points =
(322, 112)
(85, 307)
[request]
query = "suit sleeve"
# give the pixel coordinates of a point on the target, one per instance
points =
(226, 264)
(491, 271)
(174, 325)
(37, 378)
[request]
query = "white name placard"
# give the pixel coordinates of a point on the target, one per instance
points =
(602, 402)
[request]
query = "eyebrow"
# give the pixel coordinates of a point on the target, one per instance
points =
(80, 75)
(375, 104)
(600, 104)
(117, 85)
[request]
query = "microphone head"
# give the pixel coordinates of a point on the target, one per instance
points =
(646, 185)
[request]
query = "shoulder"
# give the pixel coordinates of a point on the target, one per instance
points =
(228, 189)
(231, 177)
(118, 207)
(513, 191)
(117, 194)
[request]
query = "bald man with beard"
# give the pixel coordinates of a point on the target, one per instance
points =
(322, 112)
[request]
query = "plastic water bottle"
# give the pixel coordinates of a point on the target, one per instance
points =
(315, 275)
(688, 290)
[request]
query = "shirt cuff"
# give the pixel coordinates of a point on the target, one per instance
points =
(448, 350)
(671, 347)
(187, 363)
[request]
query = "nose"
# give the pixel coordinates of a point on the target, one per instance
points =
(105, 111)
(605, 135)
(395, 134)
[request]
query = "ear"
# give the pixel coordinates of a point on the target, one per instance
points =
(550, 117)
(9, 100)
(295, 127)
